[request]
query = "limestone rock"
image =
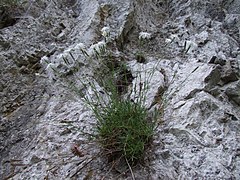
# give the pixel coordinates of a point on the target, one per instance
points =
(230, 72)
(233, 92)
(197, 136)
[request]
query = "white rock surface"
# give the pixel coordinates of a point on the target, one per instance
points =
(41, 118)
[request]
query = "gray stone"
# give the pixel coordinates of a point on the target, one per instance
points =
(229, 74)
(233, 92)
(197, 93)
(215, 60)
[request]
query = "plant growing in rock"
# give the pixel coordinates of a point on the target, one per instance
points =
(124, 131)
(124, 127)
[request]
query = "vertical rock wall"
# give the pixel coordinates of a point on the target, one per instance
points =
(194, 48)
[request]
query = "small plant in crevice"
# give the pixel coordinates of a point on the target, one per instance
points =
(124, 127)
(115, 73)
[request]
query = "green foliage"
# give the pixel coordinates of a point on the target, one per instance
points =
(124, 131)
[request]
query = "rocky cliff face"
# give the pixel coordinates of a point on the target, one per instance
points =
(194, 48)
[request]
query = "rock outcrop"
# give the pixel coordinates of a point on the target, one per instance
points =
(192, 55)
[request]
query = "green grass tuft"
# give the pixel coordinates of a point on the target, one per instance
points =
(124, 131)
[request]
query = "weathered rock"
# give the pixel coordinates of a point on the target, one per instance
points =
(215, 11)
(230, 72)
(233, 92)
(40, 117)
(215, 60)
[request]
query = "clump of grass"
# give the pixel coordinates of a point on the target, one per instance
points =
(123, 130)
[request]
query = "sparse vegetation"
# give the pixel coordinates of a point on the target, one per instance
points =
(123, 130)
(124, 126)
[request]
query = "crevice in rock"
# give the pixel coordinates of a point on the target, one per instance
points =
(6, 18)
